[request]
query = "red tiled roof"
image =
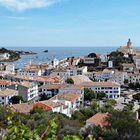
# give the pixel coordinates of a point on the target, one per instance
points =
(98, 119)
(43, 106)
(5, 82)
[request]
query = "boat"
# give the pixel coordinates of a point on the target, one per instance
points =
(46, 51)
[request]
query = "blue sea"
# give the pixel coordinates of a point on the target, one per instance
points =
(56, 52)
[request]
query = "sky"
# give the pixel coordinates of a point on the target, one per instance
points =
(69, 22)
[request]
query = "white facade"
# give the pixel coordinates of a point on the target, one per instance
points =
(10, 68)
(4, 56)
(103, 57)
(112, 90)
(69, 71)
(134, 78)
(136, 61)
(119, 77)
(89, 75)
(28, 92)
(66, 105)
(128, 67)
(103, 75)
(4, 84)
(30, 72)
(110, 64)
(55, 62)
(89, 60)
(72, 89)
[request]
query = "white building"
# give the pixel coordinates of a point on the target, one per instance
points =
(128, 67)
(4, 56)
(89, 60)
(4, 84)
(90, 75)
(110, 64)
(30, 72)
(119, 77)
(10, 68)
(103, 57)
(50, 90)
(65, 103)
(103, 75)
(5, 95)
(69, 71)
(137, 61)
(28, 91)
(111, 89)
(70, 88)
(134, 78)
(55, 62)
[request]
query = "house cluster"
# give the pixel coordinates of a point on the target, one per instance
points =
(34, 80)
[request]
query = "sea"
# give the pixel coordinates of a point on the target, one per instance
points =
(56, 52)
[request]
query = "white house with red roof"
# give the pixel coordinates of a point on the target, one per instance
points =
(65, 103)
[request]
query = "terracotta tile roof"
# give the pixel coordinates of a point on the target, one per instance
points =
(49, 79)
(136, 57)
(134, 74)
(51, 103)
(58, 70)
(107, 70)
(128, 65)
(78, 79)
(29, 70)
(66, 96)
(98, 119)
(43, 106)
(26, 84)
(22, 108)
(110, 84)
(5, 82)
(72, 86)
(52, 86)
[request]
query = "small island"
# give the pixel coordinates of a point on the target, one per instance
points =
(26, 52)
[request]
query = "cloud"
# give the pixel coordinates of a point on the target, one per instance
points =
(21, 5)
(14, 17)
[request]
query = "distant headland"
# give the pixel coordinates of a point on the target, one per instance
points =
(11, 55)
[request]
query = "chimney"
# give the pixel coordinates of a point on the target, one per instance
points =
(20, 102)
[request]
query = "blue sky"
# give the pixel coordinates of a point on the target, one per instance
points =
(69, 22)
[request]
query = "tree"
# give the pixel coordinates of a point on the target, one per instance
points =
(16, 99)
(87, 112)
(136, 96)
(69, 81)
(43, 97)
(101, 95)
(89, 95)
(71, 137)
(125, 125)
(77, 115)
(92, 55)
(109, 105)
(112, 102)
(19, 131)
